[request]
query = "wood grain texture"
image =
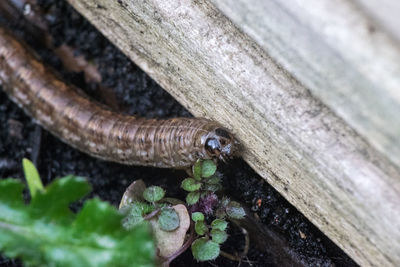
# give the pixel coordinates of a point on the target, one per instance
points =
(384, 14)
(299, 145)
(342, 51)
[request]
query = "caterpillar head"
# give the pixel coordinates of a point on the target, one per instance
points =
(220, 144)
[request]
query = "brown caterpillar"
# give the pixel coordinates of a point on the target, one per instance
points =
(92, 128)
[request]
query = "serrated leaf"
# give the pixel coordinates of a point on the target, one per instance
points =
(170, 242)
(192, 198)
(212, 187)
(208, 168)
(168, 219)
(43, 235)
(235, 211)
(197, 170)
(213, 180)
(200, 227)
(32, 177)
(218, 236)
(204, 249)
(94, 210)
(11, 192)
(54, 200)
(190, 184)
(153, 193)
(219, 224)
(11, 201)
(197, 216)
(220, 213)
(134, 213)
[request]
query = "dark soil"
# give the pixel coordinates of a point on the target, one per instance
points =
(290, 238)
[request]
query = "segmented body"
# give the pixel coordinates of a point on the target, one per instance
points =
(92, 128)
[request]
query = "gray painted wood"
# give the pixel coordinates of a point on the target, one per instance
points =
(296, 142)
(340, 51)
(384, 14)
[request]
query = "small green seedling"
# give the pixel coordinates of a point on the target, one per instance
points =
(205, 238)
(201, 196)
(32, 177)
(207, 246)
(151, 207)
(203, 183)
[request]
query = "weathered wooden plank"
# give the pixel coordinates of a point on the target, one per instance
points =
(342, 55)
(384, 13)
(321, 165)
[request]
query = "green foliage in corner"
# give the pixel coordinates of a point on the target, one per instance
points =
(45, 232)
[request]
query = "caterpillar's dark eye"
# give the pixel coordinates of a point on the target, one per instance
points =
(220, 144)
(212, 146)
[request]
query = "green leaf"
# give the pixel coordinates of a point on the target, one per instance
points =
(46, 233)
(153, 193)
(11, 201)
(168, 219)
(204, 249)
(197, 216)
(32, 177)
(225, 201)
(218, 236)
(212, 187)
(208, 168)
(197, 170)
(220, 213)
(213, 180)
(11, 192)
(190, 184)
(235, 211)
(200, 227)
(170, 242)
(192, 198)
(134, 213)
(219, 224)
(54, 201)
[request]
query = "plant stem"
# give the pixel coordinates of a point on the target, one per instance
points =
(151, 214)
(245, 249)
(184, 247)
